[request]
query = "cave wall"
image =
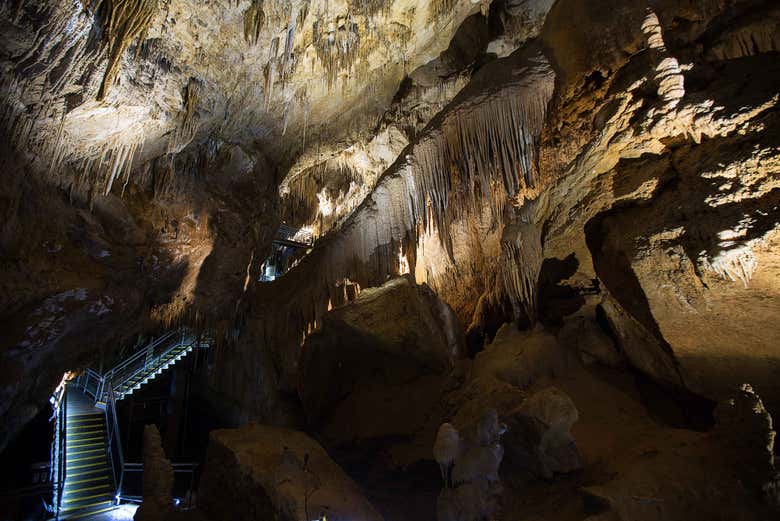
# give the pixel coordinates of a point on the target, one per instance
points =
(656, 178)
(519, 162)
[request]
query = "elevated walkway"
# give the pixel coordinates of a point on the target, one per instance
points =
(287, 242)
(88, 457)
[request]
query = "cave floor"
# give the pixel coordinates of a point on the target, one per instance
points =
(631, 456)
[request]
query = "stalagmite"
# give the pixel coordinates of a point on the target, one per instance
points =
(522, 257)
(446, 450)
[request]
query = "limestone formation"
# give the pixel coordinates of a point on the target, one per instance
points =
(446, 450)
(273, 473)
(475, 472)
(158, 479)
(394, 344)
(543, 427)
(520, 358)
(563, 212)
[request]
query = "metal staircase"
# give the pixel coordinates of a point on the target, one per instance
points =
(138, 369)
(88, 488)
(88, 457)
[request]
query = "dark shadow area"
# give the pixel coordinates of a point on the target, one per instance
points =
(79, 280)
(25, 463)
(418, 485)
(557, 300)
(613, 267)
(183, 418)
(491, 317)
(675, 406)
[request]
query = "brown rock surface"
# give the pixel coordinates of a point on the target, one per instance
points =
(378, 366)
(262, 472)
(158, 479)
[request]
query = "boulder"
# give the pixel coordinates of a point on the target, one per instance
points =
(582, 333)
(377, 365)
(744, 428)
(539, 433)
(520, 358)
(263, 472)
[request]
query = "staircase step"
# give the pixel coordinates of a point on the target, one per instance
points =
(82, 452)
(86, 481)
(88, 502)
(78, 432)
(98, 464)
(85, 472)
(75, 500)
(84, 457)
(79, 439)
(83, 413)
(106, 485)
(84, 428)
(86, 420)
(84, 445)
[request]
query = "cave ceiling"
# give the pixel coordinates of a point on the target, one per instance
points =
(526, 159)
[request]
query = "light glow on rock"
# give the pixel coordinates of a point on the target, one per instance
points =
(403, 262)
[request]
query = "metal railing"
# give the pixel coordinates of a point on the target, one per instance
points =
(60, 453)
(184, 475)
(114, 442)
(106, 389)
(142, 361)
(295, 235)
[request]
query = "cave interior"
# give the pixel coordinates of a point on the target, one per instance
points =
(390, 260)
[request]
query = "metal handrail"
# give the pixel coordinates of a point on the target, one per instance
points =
(106, 386)
(151, 361)
(125, 371)
(298, 235)
(63, 415)
(141, 353)
(112, 424)
(177, 468)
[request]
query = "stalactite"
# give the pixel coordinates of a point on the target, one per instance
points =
(521, 251)
(736, 264)
(254, 18)
(189, 120)
(270, 71)
(34, 94)
(477, 158)
(487, 151)
(338, 46)
(288, 56)
(439, 9)
(124, 20)
(324, 194)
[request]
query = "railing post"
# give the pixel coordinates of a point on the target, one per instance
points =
(149, 354)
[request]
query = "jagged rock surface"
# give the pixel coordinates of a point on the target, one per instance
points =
(525, 159)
